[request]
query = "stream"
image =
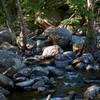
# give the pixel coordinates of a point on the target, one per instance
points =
(69, 81)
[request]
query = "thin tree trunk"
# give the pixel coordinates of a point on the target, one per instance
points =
(90, 36)
(7, 16)
(22, 34)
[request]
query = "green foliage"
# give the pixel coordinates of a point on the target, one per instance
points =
(73, 21)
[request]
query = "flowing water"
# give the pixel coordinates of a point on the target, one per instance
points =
(70, 81)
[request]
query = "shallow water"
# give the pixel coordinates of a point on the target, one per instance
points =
(70, 81)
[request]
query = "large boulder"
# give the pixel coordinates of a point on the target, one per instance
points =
(58, 36)
(5, 81)
(7, 36)
(9, 62)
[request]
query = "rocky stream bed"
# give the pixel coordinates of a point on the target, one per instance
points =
(50, 67)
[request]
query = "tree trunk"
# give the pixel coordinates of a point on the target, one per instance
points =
(7, 16)
(22, 34)
(90, 36)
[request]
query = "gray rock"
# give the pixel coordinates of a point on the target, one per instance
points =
(7, 36)
(92, 92)
(58, 36)
(85, 58)
(52, 51)
(25, 72)
(5, 81)
(62, 60)
(4, 91)
(54, 71)
(61, 64)
(20, 79)
(25, 83)
(2, 97)
(38, 84)
(80, 66)
(39, 71)
(78, 42)
(9, 62)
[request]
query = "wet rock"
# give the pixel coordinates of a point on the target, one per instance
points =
(58, 36)
(20, 79)
(7, 36)
(78, 42)
(92, 92)
(39, 71)
(38, 84)
(41, 89)
(97, 56)
(54, 71)
(28, 88)
(5, 81)
(4, 91)
(25, 72)
(69, 68)
(52, 51)
(85, 58)
(25, 83)
(90, 68)
(80, 66)
(9, 62)
(2, 97)
(62, 60)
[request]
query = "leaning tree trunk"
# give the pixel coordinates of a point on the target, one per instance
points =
(22, 35)
(90, 36)
(7, 16)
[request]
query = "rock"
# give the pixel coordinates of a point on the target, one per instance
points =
(9, 62)
(54, 71)
(69, 68)
(25, 83)
(78, 42)
(80, 66)
(97, 56)
(7, 36)
(25, 72)
(7, 46)
(85, 58)
(52, 51)
(28, 88)
(39, 71)
(5, 81)
(20, 79)
(4, 91)
(62, 60)
(38, 84)
(92, 92)
(2, 97)
(58, 36)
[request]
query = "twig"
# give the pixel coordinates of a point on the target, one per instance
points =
(48, 97)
